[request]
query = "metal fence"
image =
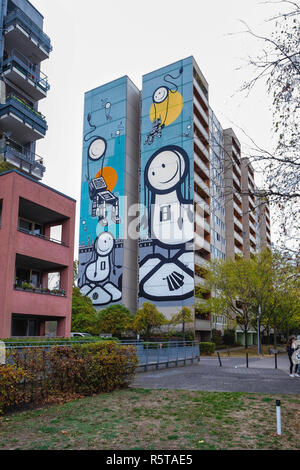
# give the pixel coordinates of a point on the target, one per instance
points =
(150, 354)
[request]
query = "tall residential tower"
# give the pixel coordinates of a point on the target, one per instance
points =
(23, 48)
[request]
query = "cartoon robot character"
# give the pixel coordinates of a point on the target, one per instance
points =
(167, 104)
(98, 272)
(99, 194)
(170, 225)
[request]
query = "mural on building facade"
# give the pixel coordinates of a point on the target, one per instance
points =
(101, 230)
(166, 106)
(167, 223)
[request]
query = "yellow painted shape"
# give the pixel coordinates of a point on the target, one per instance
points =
(169, 110)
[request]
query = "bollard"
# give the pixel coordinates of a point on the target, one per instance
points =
(278, 417)
(247, 360)
(275, 360)
(219, 359)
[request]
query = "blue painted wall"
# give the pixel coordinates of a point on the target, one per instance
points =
(102, 194)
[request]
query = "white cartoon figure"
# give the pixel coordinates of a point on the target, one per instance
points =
(99, 271)
(170, 224)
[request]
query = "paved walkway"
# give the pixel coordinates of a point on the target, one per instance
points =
(233, 376)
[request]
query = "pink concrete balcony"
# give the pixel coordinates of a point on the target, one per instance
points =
(27, 302)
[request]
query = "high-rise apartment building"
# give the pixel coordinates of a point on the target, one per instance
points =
(191, 206)
(36, 221)
(110, 167)
(23, 48)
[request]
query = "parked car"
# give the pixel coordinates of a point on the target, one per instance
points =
(82, 335)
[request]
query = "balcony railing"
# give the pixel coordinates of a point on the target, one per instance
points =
(25, 112)
(17, 15)
(18, 155)
(18, 60)
(43, 237)
(37, 290)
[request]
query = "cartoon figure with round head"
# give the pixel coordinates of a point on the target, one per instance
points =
(167, 105)
(170, 226)
(171, 220)
(99, 271)
(99, 193)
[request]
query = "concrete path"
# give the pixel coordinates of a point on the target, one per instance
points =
(262, 363)
(233, 376)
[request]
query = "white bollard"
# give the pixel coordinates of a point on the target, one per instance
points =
(278, 417)
(2, 353)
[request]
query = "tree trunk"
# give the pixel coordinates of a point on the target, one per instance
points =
(183, 330)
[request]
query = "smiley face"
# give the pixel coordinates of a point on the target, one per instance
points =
(160, 94)
(105, 243)
(97, 149)
(166, 170)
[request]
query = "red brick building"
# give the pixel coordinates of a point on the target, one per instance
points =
(31, 259)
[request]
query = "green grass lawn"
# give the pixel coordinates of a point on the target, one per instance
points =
(156, 419)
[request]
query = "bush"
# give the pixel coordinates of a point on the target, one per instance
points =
(207, 348)
(229, 337)
(41, 375)
(11, 378)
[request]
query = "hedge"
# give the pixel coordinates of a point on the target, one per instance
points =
(207, 348)
(40, 375)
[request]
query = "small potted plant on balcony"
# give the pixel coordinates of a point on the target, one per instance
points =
(27, 286)
(45, 290)
(60, 292)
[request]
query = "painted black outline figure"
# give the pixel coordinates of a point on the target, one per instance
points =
(106, 105)
(161, 94)
(97, 272)
(100, 196)
(180, 166)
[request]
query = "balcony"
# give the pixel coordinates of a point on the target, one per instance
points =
(199, 90)
(201, 184)
(237, 208)
(201, 165)
(20, 71)
(201, 243)
(252, 238)
(238, 238)
(200, 261)
(200, 221)
(199, 127)
(41, 236)
(201, 325)
(201, 150)
(238, 251)
(23, 122)
(202, 204)
(200, 109)
(238, 223)
(236, 179)
(23, 34)
(22, 158)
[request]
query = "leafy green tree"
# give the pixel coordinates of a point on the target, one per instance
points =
(182, 317)
(246, 288)
(83, 313)
(114, 319)
(147, 319)
(278, 67)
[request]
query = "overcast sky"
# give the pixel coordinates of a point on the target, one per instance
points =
(97, 41)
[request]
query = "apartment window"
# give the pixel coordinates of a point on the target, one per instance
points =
(31, 227)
